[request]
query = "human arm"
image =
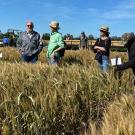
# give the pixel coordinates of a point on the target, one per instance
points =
(60, 44)
(104, 45)
(96, 46)
(131, 61)
(19, 43)
(107, 44)
(40, 44)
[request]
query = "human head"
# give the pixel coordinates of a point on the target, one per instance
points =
(126, 37)
(29, 26)
(132, 33)
(54, 25)
(104, 31)
(83, 33)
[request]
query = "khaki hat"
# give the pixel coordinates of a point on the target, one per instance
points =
(104, 29)
(54, 24)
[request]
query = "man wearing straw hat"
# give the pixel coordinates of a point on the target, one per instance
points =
(56, 44)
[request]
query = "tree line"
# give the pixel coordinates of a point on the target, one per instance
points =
(46, 36)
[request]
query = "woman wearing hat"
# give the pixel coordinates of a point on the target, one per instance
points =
(56, 44)
(102, 48)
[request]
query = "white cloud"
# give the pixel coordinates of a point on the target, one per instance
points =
(124, 10)
(129, 4)
(4, 3)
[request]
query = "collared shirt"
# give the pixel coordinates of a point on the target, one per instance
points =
(29, 46)
(30, 34)
(56, 41)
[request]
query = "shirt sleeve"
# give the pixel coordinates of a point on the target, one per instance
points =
(40, 46)
(130, 63)
(19, 42)
(96, 44)
(61, 42)
(108, 44)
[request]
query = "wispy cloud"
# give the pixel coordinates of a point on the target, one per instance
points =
(129, 4)
(124, 10)
(54, 11)
(5, 3)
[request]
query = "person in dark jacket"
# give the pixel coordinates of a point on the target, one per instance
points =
(102, 48)
(29, 44)
(83, 41)
(128, 40)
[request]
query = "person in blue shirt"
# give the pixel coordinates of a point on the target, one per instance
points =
(6, 41)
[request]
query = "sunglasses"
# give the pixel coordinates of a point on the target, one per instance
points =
(29, 25)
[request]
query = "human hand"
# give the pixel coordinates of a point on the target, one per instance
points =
(53, 54)
(117, 72)
(98, 48)
(20, 51)
(41, 41)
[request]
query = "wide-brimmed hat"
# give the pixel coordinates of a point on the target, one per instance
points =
(104, 29)
(54, 24)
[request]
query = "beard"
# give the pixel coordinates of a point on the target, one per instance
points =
(29, 30)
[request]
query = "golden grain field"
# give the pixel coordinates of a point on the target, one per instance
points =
(75, 98)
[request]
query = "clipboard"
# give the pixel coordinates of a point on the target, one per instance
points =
(116, 61)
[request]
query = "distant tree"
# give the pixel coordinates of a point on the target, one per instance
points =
(115, 38)
(76, 38)
(71, 37)
(1, 35)
(68, 37)
(64, 37)
(46, 36)
(91, 37)
(0, 32)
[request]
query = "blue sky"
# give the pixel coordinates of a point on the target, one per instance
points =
(74, 16)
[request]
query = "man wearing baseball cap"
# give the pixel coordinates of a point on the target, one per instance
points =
(56, 44)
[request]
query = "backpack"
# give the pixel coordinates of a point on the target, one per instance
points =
(62, 51)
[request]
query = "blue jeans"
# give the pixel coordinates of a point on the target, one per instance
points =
(29, 59)
(53, 60)
(104, 63)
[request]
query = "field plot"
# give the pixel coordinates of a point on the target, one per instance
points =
(75, 98)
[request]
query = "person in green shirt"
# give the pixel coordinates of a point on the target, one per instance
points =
(56, 44)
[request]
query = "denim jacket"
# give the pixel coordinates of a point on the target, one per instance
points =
(29, 46)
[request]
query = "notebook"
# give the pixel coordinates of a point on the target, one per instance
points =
(116, 61)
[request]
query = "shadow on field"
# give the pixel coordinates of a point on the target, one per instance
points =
(72, 60)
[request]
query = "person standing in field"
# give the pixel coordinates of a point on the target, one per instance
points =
(6, 41)
(29, 44)
(83, 41)
(56, 44)
(128, 40)
(102, 48)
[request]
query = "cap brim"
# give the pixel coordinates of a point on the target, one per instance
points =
(54, 27)
(104, 31)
